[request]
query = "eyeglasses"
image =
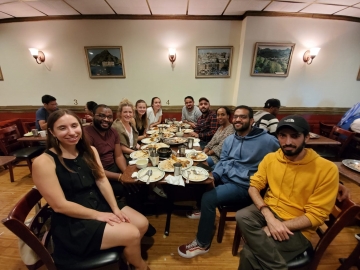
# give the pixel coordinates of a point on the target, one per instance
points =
(103, 116)
(240, 116)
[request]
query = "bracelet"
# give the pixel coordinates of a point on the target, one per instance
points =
(119, 178)
(263, 206)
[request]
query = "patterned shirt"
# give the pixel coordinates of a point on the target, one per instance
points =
(206, 126)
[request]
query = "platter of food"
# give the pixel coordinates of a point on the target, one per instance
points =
(188, 130)
(195, 174)
(197, 156)
(352, 164)
(167, 165)
(156, 145)
(175, 140)
(139, 154)
(156, 175)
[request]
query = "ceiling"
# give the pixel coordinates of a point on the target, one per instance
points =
(47, 9)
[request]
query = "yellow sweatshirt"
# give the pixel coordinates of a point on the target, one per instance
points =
(306, 187)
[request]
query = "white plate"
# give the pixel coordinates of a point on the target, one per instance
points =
(29, 134)
(175, 140)
(201, 176)
(352, 164)
(151, 132)
(163, 165)
(201, 156)
(188, 130)
(149, 140)
(196, 140)
(163, 125)
(139, 154)
(157, 174)
(157, 145)
(314, 135)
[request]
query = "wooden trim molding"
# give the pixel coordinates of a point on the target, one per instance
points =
(177, 109)
(183, 17)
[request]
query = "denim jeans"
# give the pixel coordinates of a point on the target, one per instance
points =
(227, 193)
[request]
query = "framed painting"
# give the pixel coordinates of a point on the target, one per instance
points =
(213, 61)
(272, 59)
(358, 77)
(105, 62)
(1, 76)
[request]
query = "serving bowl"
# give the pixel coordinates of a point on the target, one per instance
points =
(179, 134)
(164, 152)
(141, 163)
(187, 126)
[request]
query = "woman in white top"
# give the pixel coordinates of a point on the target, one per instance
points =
(154, 113)
(126, 128)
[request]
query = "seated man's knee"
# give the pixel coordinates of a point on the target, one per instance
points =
(209, 199)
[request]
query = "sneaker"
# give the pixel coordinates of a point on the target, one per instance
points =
(160, 192)
(357, 236)
(194, 214)
(191, 250)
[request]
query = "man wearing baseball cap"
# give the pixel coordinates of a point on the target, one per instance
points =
(302, 188)
(266, 118)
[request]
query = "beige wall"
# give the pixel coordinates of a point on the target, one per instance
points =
(329, 82)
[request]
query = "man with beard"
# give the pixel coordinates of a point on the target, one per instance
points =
(43, 113)
(190, 113)
(240, 156)
(301, 193)
(206, 124)
(106, 140)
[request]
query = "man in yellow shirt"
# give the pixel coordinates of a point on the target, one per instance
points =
(302, 189)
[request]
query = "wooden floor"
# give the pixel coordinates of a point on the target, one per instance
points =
(162, 253)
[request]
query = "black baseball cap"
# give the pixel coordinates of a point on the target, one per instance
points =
(272, 102)
(296, 122)
(204, 98)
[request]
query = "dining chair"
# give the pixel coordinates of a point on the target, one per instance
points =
(28, 126)
(325, 129)
(37, 236)
(343, 214)
(336, 152)
(11, 147)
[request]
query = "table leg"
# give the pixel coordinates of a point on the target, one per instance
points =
(169, 210)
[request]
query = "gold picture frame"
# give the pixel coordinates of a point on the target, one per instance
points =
(105, 61)
(213, 61)
(1, 75)
(358, 77)
(272, 59)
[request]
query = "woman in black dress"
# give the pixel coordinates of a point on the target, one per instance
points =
(86, 216)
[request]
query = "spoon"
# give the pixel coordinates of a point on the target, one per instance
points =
(188, 177)
(149, 173)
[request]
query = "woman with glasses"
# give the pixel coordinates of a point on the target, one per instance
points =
(86, 218)
(89, 106)
(154, 113)
(141, 119)
(213, 148)
(126, 128)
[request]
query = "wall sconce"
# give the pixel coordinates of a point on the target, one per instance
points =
(172, 55)
(309, 55)
(38, 55)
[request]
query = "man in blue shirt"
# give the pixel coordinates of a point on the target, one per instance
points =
(43, 113)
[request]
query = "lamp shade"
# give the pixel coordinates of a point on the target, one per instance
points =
(34, 51)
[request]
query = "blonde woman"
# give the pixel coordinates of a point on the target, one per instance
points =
(141, 118)
(126, 128)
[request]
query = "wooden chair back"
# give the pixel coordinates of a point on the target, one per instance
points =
(343, 136)
(343, 214)
(325, 129)
(8, 139)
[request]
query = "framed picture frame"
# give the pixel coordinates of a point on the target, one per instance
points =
(358, 77)
(105, 61)
(1, 75)
(213, 61)
(272, 59)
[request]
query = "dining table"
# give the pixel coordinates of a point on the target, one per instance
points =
(32, 139)
(350, 174)
(171, 190)
(321, 140)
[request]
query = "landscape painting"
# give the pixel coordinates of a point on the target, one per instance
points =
(105, 62)
(272, 59)
(1, 76)
(213, 62)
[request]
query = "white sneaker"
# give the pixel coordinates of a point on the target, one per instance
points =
(194, 214)
(191, 250)
(357, 236)
(160, 192)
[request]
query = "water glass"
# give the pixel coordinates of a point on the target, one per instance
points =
(190, 143)
(154, 158)
(182, 151)
(177, 169)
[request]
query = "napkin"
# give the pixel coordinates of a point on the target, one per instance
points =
(196, 144)
(134, 175)
(133, 162)
(175, 180)
(187, 151)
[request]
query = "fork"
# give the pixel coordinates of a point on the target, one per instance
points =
(188, 177)
(149, 173)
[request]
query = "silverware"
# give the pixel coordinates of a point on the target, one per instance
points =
(149, 173)
(188, 177)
